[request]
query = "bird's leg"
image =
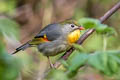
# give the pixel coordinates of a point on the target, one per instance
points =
(51, 65)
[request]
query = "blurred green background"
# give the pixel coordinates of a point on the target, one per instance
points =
(21, 20)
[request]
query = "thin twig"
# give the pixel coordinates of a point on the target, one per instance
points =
(107, 15)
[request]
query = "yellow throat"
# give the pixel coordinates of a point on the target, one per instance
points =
(74, 36)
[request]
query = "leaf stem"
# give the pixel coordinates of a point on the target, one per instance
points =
(104, 43)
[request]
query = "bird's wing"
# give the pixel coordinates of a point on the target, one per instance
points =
(49, 33)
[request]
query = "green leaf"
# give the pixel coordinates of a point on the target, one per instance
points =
(9, 27)
(115, 55)
(9, 65)
(94, 23)
(88, 22)
(101, 28)
(9, 68)
(2, 48)
(76, 62)
(113, 64)
(104, 29)
(106, 61)
(95, 61)
(104, 58)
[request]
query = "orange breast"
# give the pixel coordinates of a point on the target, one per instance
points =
(74, 36)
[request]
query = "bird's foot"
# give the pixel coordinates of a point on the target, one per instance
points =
(51, 64)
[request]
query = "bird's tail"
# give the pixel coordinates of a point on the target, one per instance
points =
(22, 47)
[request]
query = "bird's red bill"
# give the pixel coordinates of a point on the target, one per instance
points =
(82, 28)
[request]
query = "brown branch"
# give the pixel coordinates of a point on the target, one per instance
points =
(89, 32)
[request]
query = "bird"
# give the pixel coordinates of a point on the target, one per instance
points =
(55, 38)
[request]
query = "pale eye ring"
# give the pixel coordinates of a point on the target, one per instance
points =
(72, 25)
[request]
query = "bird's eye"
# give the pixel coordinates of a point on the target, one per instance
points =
(72, 26)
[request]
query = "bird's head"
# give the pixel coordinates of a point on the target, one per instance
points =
(72, 30)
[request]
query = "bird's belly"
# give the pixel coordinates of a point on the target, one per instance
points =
(53, 48)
